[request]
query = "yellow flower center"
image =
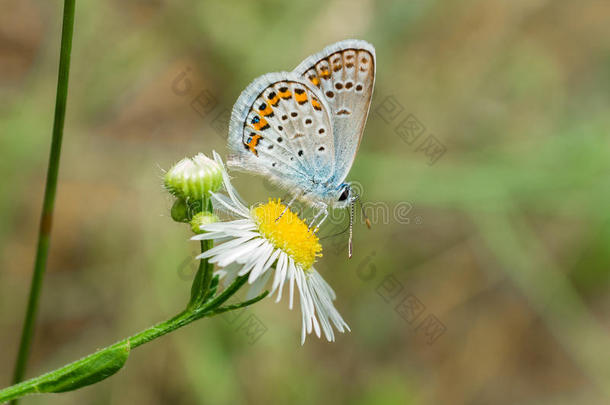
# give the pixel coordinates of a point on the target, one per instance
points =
(289, 233)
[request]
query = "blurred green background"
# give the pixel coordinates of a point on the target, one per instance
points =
(504, 240)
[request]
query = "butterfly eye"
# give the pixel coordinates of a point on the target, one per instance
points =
(344, 194)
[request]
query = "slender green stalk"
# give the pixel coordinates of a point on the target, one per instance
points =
(52, 381)
(203, 278)
(208, 269)
(107, 361)
(46, 218)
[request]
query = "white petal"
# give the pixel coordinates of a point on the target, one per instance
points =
(280, 271)
(209, 235)
(253, 259)
(231, 271)
(291, 275)
(270, 260)
(257, 286)
(260, 265)
(324, 306)
(230, 205)
(222, 273)
(245, 224)
(232, 244)
(304, 302)
(303, 322)
(309, 296)
(227, 183)
(239, 252)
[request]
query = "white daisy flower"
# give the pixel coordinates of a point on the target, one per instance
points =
(259, 244)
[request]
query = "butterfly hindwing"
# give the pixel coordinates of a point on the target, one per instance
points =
(344, 73)
(281, 127)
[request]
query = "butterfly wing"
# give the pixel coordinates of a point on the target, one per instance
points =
(281, 127)
(344, 73)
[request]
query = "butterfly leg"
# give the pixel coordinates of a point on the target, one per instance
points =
(322, 212)
(286, 209)
(313, 220)
(322, 220)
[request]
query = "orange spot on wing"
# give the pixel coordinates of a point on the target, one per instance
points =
(267, 110)
(274, 100)
(261, 125)
(301, 98)
(253, 143)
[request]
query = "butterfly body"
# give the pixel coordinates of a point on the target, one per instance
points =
(301, 129)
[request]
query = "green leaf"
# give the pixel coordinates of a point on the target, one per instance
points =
(86, 371)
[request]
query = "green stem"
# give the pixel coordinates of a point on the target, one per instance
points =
(200, 289)
(208, 270)
(203, 278)
(50, 191)
(241, 304)
(189, 315)
(48, 382)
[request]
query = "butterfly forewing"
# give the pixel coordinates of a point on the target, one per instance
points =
(344, 73)
(281, 127)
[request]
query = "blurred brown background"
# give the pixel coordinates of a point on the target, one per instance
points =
(487, 283)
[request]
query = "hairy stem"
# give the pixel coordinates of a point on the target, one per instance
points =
(46, 218)
(42, 383)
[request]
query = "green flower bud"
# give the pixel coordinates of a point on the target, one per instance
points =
(180, 211)
(203, 218)
(193, 178)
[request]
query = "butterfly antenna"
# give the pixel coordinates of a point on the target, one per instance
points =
(351, 226)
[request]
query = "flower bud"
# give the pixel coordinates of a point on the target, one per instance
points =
(202, 218)
(193, 178)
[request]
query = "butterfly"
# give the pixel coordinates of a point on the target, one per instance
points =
(301, 129)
